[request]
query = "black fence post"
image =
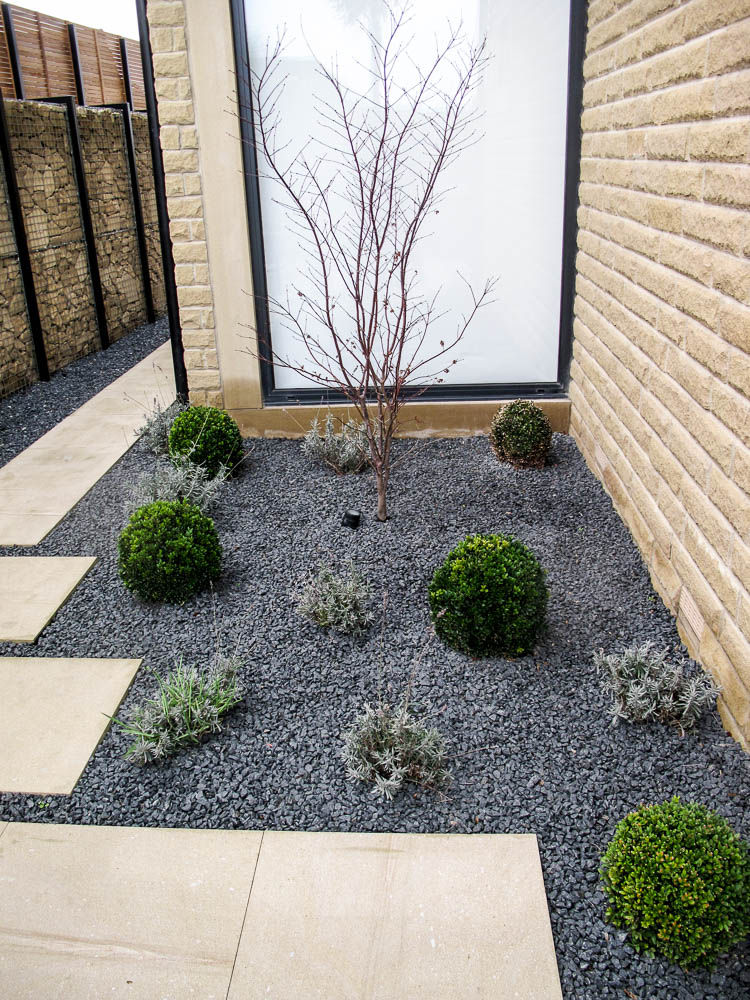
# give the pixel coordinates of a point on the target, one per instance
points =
(126, 73)
(170, 286)
(22, 245)
(88, 227)
(76, 60)
(140, 229)
(15, 64)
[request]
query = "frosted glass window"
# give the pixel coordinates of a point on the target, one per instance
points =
(504, 214)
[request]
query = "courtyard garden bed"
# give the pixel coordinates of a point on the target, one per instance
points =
(530, 742)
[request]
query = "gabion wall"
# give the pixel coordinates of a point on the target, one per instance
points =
(42, 154)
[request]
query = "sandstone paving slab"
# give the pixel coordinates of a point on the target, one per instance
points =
(397, 917)
(33, 589)
(121, 912)
(42, 484)
(53, 713)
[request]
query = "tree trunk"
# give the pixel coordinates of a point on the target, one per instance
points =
(382, 487)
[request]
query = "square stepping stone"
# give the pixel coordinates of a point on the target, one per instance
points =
(53, 712)
(122, 913)
(33, 589)
(397, 917)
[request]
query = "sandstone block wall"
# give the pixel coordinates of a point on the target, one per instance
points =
(50, 204)
(181, 151)
(661, 372)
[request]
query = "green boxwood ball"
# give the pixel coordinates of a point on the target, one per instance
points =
(489, 597)
(207, 436)
(169, 551)
(678, 880)
(520, 433)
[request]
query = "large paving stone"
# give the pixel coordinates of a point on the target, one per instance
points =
(397, 917)
(53, 712)
(33, 589)
(122, 913)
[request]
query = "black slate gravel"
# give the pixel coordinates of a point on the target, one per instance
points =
(29, 413)
(534, 748)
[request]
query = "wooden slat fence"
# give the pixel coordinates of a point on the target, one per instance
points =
(46, 62)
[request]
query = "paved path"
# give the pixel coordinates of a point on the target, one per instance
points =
(92, 912)
(42, 484)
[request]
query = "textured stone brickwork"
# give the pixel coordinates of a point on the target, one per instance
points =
(17, 364)
(112, 214)
(44, 168)
(145, 172)
(181, 151)
(661, 374)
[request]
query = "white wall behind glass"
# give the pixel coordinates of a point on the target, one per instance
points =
(503, 216)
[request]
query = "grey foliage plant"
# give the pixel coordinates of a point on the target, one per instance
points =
(179, 479)
(343, 447)
(340, 602)
(188, 706)
(155, 430)
(646, 685)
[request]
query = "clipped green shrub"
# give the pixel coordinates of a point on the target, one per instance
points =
(678, 880)
(169, 551)
(208, 437)
(520, 434)
(489, 597)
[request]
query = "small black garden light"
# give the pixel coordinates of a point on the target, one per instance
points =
(351, 518)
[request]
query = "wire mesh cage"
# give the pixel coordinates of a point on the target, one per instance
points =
(17, 363)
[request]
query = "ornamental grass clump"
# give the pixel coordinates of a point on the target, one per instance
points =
(389, 747)
(206, 436)
(646, 686)
(678, 880)
(338, 602)
(489, 597)
(169, 551)
(179, 480)
(345, 449)
(520, 433)
(187, 708)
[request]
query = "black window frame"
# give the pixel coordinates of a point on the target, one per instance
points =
(273, 396)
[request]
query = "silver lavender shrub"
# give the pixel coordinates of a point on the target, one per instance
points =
(155, 430)
(179, 479)
(646, 685)
(338, 602)
(344, 448)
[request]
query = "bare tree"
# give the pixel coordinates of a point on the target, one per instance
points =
(358, 199)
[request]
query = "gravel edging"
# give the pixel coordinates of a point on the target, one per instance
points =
(554, 767)
(29, 413)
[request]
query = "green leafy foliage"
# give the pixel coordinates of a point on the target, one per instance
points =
(678, 880)
(387, 746)
(647, 686)
(520, 433)
(344, 448)
(489, 597)
(208, 437)
(188, 706)
(337, 602)
(169, 551)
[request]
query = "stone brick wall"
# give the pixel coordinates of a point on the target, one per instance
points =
(181, 151)
(49, 198)
(661, 373)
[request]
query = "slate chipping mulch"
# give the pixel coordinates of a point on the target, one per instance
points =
(29, 413)
(555, 768)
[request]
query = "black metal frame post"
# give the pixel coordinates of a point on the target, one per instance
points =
(555, 390)
(15, 64)
(140, 228)
(22, 246)
(83, 200)
(126, 72)
(76, 60)
(170, 286)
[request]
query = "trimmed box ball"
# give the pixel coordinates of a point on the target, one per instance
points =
(489, 598)
(520, 433)
(169, 551)
(208, 437)
(678, 880)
